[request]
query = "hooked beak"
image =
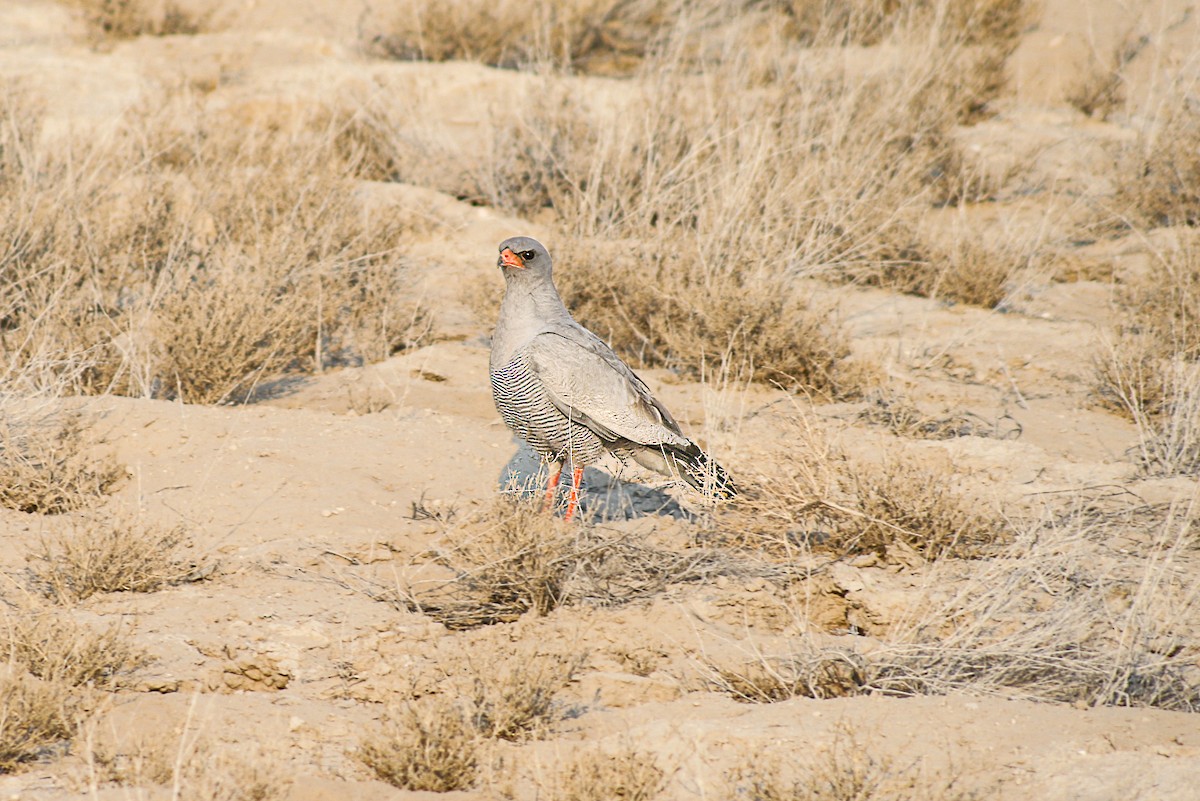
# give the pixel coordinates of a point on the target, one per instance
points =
(510, 259)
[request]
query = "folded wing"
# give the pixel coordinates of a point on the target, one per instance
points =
(588, 382)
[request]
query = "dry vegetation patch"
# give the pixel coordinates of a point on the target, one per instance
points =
(425, 746)
(119, 553)
(1054, 616)
(54, 668)
(47, 461)
(1158, 178)
(109, 20)
(488, 694)
(516, 558)
(601, 776)
(1152, 371)
(814, 496)
(741, 161)
(35, 717)
(845, 769)
(191, 258)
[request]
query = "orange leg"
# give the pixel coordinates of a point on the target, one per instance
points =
(573, 496)
(552, 485)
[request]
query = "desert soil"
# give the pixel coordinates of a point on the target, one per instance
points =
(315, 503)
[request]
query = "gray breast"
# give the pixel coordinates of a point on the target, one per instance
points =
(527, 409)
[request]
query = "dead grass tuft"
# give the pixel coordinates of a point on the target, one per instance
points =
(845, 769)
(127, 19)
(47, 464)
(824, 500)
(121, 553)
(515, 559)
(1158, 178)
(34, 718)
(428, 745)
(820, 674)
(669, 310)
(600, 776)
(902, 417)
(194, 258)
(59, 651)
(1150, 372)
(1056, 615)
(53, 669)
(514, 698)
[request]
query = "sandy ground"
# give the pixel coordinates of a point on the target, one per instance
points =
(306, 501)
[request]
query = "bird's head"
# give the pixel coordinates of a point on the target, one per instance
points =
(523, 255)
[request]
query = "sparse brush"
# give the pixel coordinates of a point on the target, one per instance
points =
(901, 416)
(1150, 372)
(513, 699)
(47, 461)
(127, 19)
(513, 559)
(119, 553)
(196, 769)
(599, 776)
(1047, 618)
(832, 503)
(57, 650)
(428, 745)
(1158, 180)
(604, 37)
(964, 271)
(218, 256)
(34, 718)
(845, 769)
(920, 508)
(816, 674)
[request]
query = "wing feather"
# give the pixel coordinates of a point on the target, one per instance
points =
(591, 385)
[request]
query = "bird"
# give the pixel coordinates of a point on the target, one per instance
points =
(565, 392)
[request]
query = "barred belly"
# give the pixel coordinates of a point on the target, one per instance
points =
(527, 409)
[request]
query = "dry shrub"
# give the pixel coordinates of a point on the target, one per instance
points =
(1054, 616)
(35, 716)
(1102, 90)
(597, 36)
(195, 769)
(128, 19)
(1158, 178)
(671, 312)
(599, 776)
(702, 194)
(192, 257)
(617, 37)
(512, 559)
(845, 769)
(921, 508)
(513, 699)
(902, 417)
(53, 668)
(425, 746)
(1151, 372)
(816, 497)
(515, 558)
(434, 743)
(963, 271)
(59, 651)
(47, 463)
(119, 553)
(816, 674)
